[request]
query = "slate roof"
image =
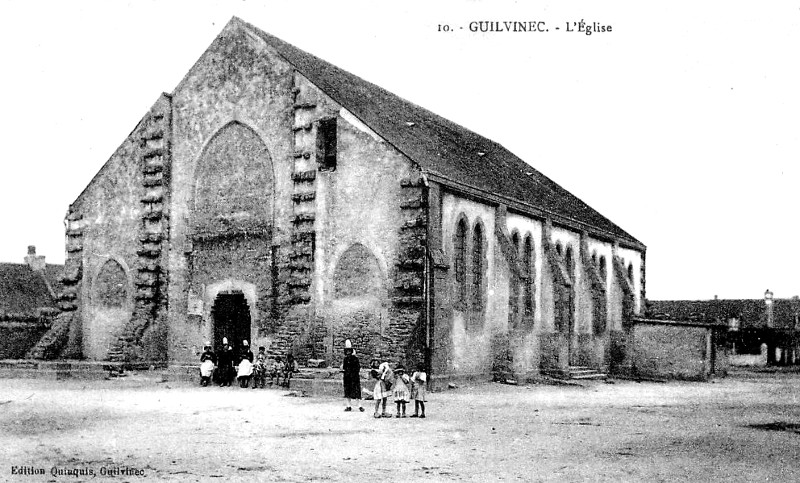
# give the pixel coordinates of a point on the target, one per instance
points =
(23, 291)
(443, 148)
(750, 312)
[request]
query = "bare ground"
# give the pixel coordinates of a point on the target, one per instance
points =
(744, 428)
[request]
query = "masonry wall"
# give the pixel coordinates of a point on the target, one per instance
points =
(529, 343)
(525, 343)
(237, 80)
(362, 203)
(472, 333)
(672, 351)
(285, 260)
(105, 225)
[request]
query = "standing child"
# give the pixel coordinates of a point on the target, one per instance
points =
(418, 390)
(400, 390)
(260, 368)
(380, 393)
(386, 378)
(387, 375)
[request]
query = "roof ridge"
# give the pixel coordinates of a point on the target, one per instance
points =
(438, 145)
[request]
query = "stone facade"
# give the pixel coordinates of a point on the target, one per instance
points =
(255, 202)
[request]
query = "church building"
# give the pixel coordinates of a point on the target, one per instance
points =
(275, 198)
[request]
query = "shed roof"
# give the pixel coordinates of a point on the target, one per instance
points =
(443, 149)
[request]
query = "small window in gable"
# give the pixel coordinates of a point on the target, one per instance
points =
(326, 144)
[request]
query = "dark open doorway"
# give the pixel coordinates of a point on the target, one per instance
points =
(231, 316)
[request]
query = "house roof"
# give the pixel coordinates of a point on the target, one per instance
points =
(750, 312)
(23, 291)
(443, 149)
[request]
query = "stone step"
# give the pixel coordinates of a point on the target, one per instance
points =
(594, 376)
(584, 373)
(577, 372)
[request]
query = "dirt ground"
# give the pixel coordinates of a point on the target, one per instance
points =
(742, 428)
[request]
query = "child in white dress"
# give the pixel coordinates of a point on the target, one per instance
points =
(400, 390)
(418, 390)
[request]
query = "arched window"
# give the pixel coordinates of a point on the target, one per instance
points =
(570, 263)
(602, 269)
(630, 272)
(478, 267)
(460, 263)
(530, 285)
(559, 249)
(233, 185)
(514, 287)
(599, 302)
(111, 285)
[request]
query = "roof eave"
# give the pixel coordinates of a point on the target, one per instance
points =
(533, 211)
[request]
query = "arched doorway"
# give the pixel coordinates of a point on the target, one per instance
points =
(231, 316)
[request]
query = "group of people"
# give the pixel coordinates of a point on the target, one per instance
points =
(390, 383)
(223, 366)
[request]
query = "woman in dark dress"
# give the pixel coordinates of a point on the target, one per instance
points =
(225, 367)
(352, 377)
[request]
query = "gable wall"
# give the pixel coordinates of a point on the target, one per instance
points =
(105, 223)
(236, 80)
(318, 214)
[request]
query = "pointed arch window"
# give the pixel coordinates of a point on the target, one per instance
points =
(460, 263)
(478, 267)
(528, 266)
(514, 288)
(602, 270)
(569, 261)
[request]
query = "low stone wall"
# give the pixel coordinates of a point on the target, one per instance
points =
(675, 350)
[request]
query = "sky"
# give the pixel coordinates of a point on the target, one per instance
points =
(681, 125)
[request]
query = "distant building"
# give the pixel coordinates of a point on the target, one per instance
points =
(754, 325)
(28, 302)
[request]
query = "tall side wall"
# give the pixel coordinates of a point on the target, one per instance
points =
(528, 337)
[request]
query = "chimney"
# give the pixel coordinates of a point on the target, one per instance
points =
(768, 296)
(36, 262)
